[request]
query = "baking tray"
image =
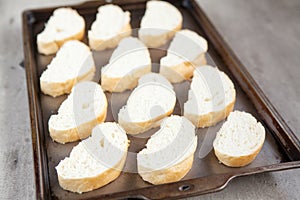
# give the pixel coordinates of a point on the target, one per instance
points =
(281, 149)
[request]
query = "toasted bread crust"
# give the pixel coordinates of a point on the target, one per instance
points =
(211, 118)
(154, 41)
(87, 184)
(78, 133)
(48, 48)
(182, 71)
(172, 174)
(55, 89)
(134, 128)
(120, 84)
(237, 161)
(99, 45)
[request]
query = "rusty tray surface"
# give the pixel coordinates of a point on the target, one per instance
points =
(281, 149)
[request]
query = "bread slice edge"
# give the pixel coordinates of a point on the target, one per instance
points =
(169, 175)
(80, 185)
(212, 118)
(77, 133)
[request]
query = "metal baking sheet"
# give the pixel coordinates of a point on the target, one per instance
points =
(281, 149)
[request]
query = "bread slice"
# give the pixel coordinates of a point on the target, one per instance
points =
(96, 161)
(211, 97)
(148, 104)
(239, 140)
(186, 52)
(73, 63)
(112, 24)
(129, 61)
(84, 108)
(65, 24)
(169, 153)
(160, 23)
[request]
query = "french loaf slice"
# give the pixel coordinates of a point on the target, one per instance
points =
(186, 52)
(95, 161)
(160, 23)
(148, 104)
(239, 140)
(65, 24)
(83, 109)
(112, 24)
(73, 63)
(169, 153)
(129, 61)
(211, 97)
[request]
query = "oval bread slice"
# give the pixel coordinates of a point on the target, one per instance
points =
(84, 108)
(129, 61)
(186, 52)
(95, 161)
(73, 63)
(211, 97)
(148, 104)
(160, 23)
(169, 153)
(65, 24)
(239, 140)
(112, 24)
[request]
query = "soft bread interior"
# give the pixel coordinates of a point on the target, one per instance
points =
(185, 47)
(211, 91)
(240, 135)
(172, 144)
(130, 55)
(72, 61)
(129, 61)
(93, 156)
(86, 102)
(65, 23)
(154, 97)
(110, 20)
(160, 19)
(157, 20)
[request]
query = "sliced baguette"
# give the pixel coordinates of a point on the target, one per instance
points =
(239, 140)
(169, 153)
(96, 161)
(112, 24)
(186, 52)
(65, 24)
(84, 108)
(129, 61)
(148, 104)
(73, 63)
(160, 23)
(211, 97)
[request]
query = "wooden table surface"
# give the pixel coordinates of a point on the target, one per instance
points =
(264, 34)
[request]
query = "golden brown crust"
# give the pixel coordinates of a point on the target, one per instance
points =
(211, 118)
(182, 71)
(78, 133)
(99, 45)
(121, 84)
(154, 41)
(55, 89)
(80, 185)
(48, 48)
(134, 128)
(237, 161)
(78, 36)
(172, 174)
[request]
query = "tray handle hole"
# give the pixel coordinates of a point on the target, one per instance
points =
(184, 188)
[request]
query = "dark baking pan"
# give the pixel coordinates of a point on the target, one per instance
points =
(281, 149)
